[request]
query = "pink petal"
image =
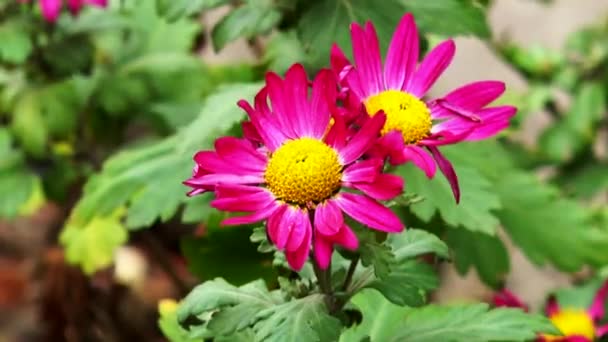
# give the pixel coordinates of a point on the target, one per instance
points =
(575, 338)
(240, 152)
(508, 299)
(98, 3)
(552, 306)
(324, 94)
(74, 6)
(250, 132)
(476, 95)
(391, 144)
(596, 311)
(431, 68)
(441, 136)
(274, 223)
(328, 218)
(270, 132)
(362, 171)
(296, 91)
(336, 137)
(338, 62)
(254, 217)
(369, 212)
(421, 159)
(402, 55)
(446, 168)
(300, 228)
(601, 330)
(298, 258)
(346, 238)
(322, 251)
(384, 187)
(248, 200)
(366, 52)
(280, 105)
(363, 140)
(50, 9)
(494, 120)
(224, 178)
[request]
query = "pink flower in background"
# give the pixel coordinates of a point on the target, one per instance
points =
(575, 324)
(52, 8)
(295, 176)
(415, 128)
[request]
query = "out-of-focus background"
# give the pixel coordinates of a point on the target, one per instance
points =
(35, 281)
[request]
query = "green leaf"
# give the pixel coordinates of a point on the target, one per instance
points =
(16, 44)
(167, 322)
(249, 20)
(383, 321)
(547, 227)
(28, 124)
(587, 181)
(477, 202)
(283, 50)
(202, 255)
(375, 254)
(303, 319)
(560, 142)
(414, 242)
(458, 17)
(328, 21)
(587, 110)
(183, 8)
(92, 246)
(486, 253)
(225, 308)
(407, 283)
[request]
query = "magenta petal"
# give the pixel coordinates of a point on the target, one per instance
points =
(346, 238)
(431, 68)
(274, 223)
(476, 95)
(363, 140)
(392, 144)
(252, 218)
(270, 133)
(369, 212)
(324, 94)
(597, 306)
(240, 152)
(446, 168)
(50, 9)
(98, 3)
(366, 52)
(296, 91)
(402, 55)
(552, 306)
(219, 178)
(421, 159)
(250, 132)
(247, 201)
(280, 105)
(298, 258)
(338, 62)
(362, 171)
(494, 124)
(601, 330)
(336, 137)
(508, 299)
(384, 187)
(74, 6)
(322, 251)
(298, 230)
(328, 218)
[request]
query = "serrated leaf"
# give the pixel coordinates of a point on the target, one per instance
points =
(587, 110)
(92, 246)
(253, 18)
(477, 202)
(303, 319)
(457, 17)
(328, 21)
(167, 322)
(225, 308)
(28, 124)
(486, 253)
(415, 242)
(407, 283)
(383, 321)
(283, 50)
(547, 227)
(378, 255)
(125, 177)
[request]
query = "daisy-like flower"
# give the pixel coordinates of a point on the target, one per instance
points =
(575, 324)
(414, 127)
(293, 167)
(52, 8)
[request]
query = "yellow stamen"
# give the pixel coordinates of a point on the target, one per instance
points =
(404, 112)
(303, 171)
(572, 322)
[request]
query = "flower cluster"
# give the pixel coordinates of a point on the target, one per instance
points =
(315, 150)
(575, 324)
(52, 8)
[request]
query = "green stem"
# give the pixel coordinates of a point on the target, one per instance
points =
(350, 273)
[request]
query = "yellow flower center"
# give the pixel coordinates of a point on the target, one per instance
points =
(572, 322)
(404, 112)
(303, 171)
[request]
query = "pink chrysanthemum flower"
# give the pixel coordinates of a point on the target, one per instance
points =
(296, 176)
(52, 8)
(575, 324)
(414, 127)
